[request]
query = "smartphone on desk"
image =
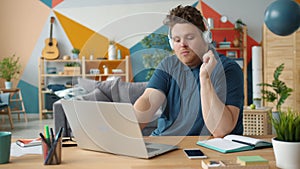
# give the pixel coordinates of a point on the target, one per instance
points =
(194, 153)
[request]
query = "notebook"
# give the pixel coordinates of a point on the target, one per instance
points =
(109, 127)
(234, 143)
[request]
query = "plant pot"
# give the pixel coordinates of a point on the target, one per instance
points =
(8, 85)
(257, 103)
(75, 56)
(72, 71)
(287, 154)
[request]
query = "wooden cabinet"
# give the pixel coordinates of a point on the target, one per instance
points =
(238, 52)
(55, 72)
(283, 49)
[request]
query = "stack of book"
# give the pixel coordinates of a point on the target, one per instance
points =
(224, 44)
(243, 162)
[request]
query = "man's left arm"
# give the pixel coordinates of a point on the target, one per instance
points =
(219, 118)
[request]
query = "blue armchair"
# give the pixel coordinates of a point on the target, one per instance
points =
(4, 107)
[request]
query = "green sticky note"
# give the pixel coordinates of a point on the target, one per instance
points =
(252, 160)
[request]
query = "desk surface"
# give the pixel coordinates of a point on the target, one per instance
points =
(74, 157)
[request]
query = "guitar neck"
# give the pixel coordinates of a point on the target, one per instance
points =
(51, 28)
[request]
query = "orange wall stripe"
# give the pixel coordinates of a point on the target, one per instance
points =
(77, 33)
(88, 41)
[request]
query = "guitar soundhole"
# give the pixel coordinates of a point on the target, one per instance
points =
(50, 43)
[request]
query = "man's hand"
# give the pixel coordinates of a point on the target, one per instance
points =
(209, 63)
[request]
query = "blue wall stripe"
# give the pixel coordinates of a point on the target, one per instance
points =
(30, 97)
(47, 2)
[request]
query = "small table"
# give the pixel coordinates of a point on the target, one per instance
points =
(257, 121)
(17, 104)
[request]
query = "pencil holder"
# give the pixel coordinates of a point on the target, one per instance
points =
(52, 152)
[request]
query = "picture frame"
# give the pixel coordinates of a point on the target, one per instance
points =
(231, 54)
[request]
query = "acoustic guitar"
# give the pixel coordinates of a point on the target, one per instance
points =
(50, 50)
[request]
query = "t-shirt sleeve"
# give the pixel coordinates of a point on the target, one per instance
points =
(160, 79)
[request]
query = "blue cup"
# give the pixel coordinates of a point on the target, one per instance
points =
(5, 142)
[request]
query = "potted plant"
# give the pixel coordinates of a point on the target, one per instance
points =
(72, 68)
(279, 90)
(9, 69)
(257, 102)
(75, 53)
(286, 144)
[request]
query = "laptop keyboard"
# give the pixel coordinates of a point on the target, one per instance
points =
(149, 150)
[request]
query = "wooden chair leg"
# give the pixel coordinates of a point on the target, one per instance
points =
(10, 117)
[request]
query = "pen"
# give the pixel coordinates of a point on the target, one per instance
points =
(52, 140)
(53, 148)
(47, 135)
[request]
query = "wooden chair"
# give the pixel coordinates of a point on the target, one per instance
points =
(4, 107)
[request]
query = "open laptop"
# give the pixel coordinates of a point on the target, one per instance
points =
(109, 127)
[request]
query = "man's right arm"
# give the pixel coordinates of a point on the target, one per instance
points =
(147, 105)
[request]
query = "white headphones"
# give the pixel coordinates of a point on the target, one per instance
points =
(207, 35)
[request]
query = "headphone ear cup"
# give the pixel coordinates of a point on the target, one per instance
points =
(171, 43)
(207, 36)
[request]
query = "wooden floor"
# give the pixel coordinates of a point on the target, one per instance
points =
(31, 129)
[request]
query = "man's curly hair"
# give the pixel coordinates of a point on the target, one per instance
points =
(186, 14)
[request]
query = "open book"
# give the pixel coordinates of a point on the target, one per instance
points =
(29, 142)
(234, 143)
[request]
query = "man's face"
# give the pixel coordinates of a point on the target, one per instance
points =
(188, 44)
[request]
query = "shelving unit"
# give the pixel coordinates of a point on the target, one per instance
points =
(241, 51)
(49, 76)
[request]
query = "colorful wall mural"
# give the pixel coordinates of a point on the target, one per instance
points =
(78, 22)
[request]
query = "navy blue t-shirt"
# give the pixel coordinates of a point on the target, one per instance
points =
(182, 112)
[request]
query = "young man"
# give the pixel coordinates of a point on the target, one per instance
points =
(200, 92)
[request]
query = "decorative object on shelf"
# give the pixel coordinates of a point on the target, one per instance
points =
(51, 70)
(231, 54)
(210, 22)
(280, 91)
(282, 17)
(91, 56)
(75, 52)
(158, 47)
(117, 71)
(224, 44)
(223, 19)
(112, 50)
(119, 54)
(238, 26)
(105, 69)
(66, 57)
(9, 69)
(94, 71)
(286, 144)
(72, 68)
(236, 42)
